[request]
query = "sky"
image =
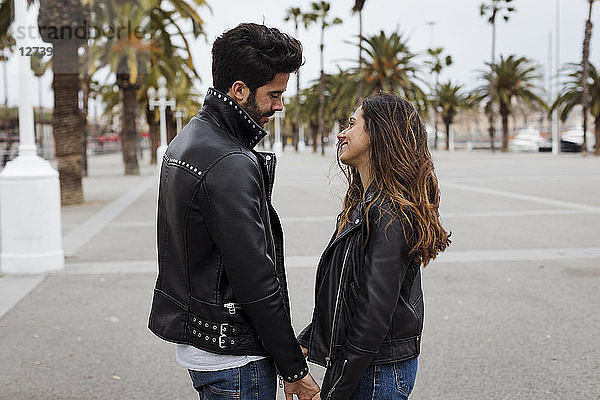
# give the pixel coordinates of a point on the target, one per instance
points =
(458, 28)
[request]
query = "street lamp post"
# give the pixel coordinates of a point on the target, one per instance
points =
(30, 225)
(555, 120)
(301, 144)
(162, 103)
(179, 117)
(278, 145)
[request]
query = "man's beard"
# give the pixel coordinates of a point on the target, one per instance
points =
(255, 112)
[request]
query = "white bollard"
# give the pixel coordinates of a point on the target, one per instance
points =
(30, 218)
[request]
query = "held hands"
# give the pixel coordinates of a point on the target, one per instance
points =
(304, 351)
(306, 388)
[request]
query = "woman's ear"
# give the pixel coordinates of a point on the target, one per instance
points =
(239, 91)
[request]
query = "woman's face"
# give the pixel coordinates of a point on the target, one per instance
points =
(354, 142)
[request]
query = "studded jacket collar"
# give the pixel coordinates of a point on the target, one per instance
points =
(232, 117)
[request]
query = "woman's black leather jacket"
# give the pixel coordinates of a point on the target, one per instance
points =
(368, 299)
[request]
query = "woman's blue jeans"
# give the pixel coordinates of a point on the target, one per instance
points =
(254, 381)
(393, 381)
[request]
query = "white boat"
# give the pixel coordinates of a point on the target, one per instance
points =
(527, 140)
(572, 140)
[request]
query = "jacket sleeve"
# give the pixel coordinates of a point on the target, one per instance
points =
(233, 188)
(385, 265)
(304, 336)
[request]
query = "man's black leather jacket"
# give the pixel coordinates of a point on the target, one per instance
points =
(221, 283)
(368, 299)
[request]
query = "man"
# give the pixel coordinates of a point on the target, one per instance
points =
(221, 292)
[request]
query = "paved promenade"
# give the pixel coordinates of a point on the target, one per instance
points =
(511, 307)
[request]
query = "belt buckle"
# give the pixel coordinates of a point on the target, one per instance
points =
(222, 342)
(223, 327)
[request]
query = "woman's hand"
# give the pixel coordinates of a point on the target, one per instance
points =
(304, 351)
(317, 396)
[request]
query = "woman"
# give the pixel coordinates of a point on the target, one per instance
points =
(368, 316)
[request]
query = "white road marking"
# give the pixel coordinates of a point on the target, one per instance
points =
(311, 261)
(521, 213)
(518, 255)
(524, 197)
(445, 215)
(523, 178)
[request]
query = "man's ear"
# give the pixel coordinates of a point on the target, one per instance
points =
(239, 91)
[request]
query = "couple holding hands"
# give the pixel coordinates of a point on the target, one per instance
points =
(221, 293)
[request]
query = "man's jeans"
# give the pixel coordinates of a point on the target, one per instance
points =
(254, 381)
(393, 381)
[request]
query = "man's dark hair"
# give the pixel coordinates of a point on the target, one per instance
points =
(253, 54)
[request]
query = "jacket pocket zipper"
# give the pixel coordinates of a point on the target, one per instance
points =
(337, 300)
(337, 380)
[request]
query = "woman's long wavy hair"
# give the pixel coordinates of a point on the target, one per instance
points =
(402, 171)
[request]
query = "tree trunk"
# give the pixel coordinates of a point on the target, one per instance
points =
(504, 113)
(154, 128)
(491, 127)
(322, 96)
(86, 128)
(360, 48)
(447, 135)
(585, 98)
(154, 142)
(315, 137)
(171, 125)
(129, 142)
(67, 124)
(597, 131)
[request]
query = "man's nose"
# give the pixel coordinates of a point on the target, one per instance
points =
(278, 106)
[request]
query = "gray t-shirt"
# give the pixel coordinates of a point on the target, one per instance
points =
(195, 359)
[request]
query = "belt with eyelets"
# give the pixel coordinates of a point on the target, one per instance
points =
(217, 334)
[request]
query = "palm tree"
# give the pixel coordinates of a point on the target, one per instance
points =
(7, 41)
(511, 79)
(342, 98)
(309, 104)
(149, 47)
(295, 14)
(67, 123)
(390, 66)
(358, 8)
(451, 98)
(320, 14)
(182, 90)
(491, 9)
(571, 95)
(586, 67)
(435, 65)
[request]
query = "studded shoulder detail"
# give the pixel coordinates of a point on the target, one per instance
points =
(183, 164)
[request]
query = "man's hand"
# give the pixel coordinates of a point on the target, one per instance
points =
(317, 396)
(306, 388)
(304, 351)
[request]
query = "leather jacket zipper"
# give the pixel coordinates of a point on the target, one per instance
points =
(337, 300)
(337, 381)
(231, 307)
